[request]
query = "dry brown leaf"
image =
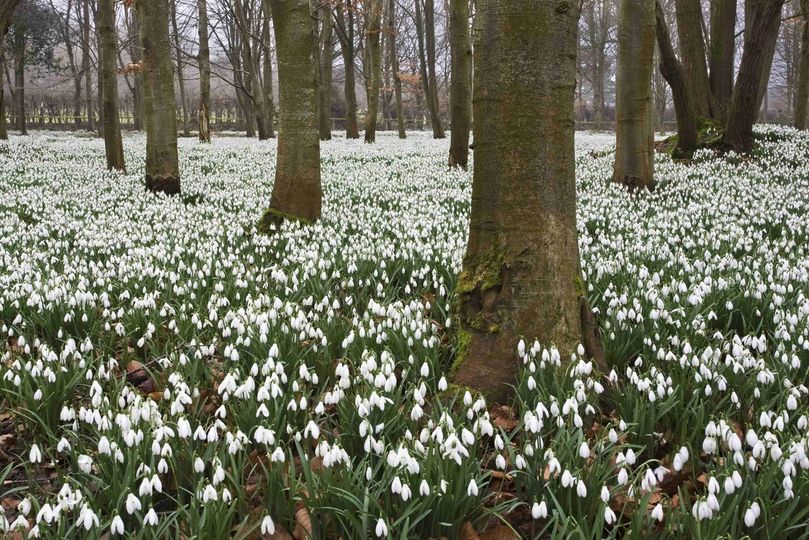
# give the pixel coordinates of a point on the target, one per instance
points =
(468, 532)
(303, 524)
(499, 533)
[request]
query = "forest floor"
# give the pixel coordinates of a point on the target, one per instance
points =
(167, 372)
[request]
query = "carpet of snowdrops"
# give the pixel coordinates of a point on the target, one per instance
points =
(168, 372)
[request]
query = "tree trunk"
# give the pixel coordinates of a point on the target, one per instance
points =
(326, 59)
(521, 276)
(802, 93)
(722, 54)
(758, 41)
(344, 16)
(296, 192)
(108, 71)
(374, 56)
(394, 64)
(426, 48)
(135, 55)
(204, 63)
(692, 54)
(19, 80)
(672, 71)
(460, 83)
(180, 79)
(6, 12)
(634, 114)
(269, 104)
(162, 165)
(85, 66)
(252, 84)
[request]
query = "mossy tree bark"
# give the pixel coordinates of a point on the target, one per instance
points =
(672, 71)
(521, 274)
(162, 165)
(109, 54)
(722, 54)
(634, 108)
(373, 28)
(204, 64)
(460, 84)
(692, 54)
(758, 44)
(802, 92)
(296, 192)
(344, 19)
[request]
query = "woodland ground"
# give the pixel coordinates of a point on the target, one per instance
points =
(169, 372)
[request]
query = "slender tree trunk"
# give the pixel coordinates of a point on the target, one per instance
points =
(766, 19)
(252, 84)
(692, 53)
(326, 60)
(296, 192)
(162, 165)
(722, 54)
(374, 56)
(672, 71)
(521, 276)
(180, 79)
(634, 110)
(802, 92)
(19, 81)
(85, 66)
(6, 11)
(135, 54)
(108, 71)
(344, 16)
(269, 104)
(204, 63)
(429, 23)
(394, 63)
(460, 84)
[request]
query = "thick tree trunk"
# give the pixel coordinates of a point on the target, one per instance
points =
(296, 192)
(758, 41)
(802, 92)
(460, 83)
(269, 103)
(692, 54)
(372, 43)
(344, 16)
(521, 276)
(180, 79)
(204, 63)
(672, 71)
(722, 53)
(108, 71)
(326, 59)
(634, 110)
(162, 165)
(394, 66)
(85, 66)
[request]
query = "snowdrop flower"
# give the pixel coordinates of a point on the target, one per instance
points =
(609, 516)
(584, 450)
(539, 510)
(472, 489)
(132, 504)
(117, 526)
(35, 455)
(657, 512)
(267, 526)
(381, 528)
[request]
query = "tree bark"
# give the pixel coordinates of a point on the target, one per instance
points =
(758, 41)
(204, 63)
(460, 83)
(344, 17)
(374, 56)
(425, 37)
(252, 84)
(19, 80)
(521, 276)
(802, 91)
(6, 11)
(692, 54)
(672, 71)
(634, 110)
(180, 79)
(135, 55)
(162, 165)
(326, 56)
(108, 71)
(296, 192)
(722, 53)
(394, 64)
